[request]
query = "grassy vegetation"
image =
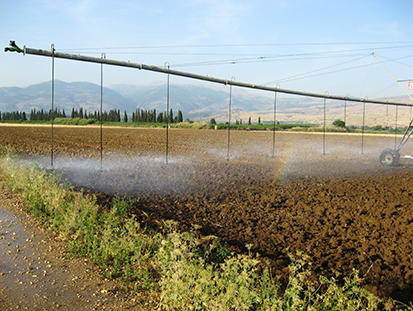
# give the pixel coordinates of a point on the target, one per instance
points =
(177, 270)
(378, 129)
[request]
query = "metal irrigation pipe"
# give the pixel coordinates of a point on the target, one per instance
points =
(141, 66)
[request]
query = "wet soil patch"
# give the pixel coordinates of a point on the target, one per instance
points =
(342, 208)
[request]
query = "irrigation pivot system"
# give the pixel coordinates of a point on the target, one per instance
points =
(388, 157)
(52, 53)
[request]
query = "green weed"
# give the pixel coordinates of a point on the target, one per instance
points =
(184, 272)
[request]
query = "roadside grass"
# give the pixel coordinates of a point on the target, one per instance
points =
(182, 272)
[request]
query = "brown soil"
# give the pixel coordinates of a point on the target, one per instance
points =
(341, 208)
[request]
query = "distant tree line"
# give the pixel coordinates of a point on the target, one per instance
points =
(140, 115)
(36, 115)
(112, 116)
(13, 116)
(150, 116)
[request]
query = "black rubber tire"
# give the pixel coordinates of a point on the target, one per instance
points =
(389, 157)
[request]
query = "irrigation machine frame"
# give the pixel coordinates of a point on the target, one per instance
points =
(391, 157)
(388, 157)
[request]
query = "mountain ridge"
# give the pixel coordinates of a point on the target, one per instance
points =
(196, 101)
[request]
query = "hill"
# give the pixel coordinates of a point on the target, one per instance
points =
(67, 96)
(199, 102)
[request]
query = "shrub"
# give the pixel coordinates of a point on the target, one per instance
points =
(339, 123)
(378, 128)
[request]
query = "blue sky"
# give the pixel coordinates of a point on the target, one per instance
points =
(305, 45)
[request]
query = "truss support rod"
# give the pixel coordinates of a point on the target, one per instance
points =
(398, 82)
(141, 66)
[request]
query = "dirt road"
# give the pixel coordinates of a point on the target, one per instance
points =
(37, 274)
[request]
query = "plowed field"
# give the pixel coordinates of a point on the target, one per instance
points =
(341, 208)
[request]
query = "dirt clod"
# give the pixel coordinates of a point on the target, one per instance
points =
(341, 208)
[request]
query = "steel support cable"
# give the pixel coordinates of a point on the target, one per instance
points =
(382, 90)
(395, 128)
(312, 71)
(195, 76)
(345, 112)
(288, 79)
(345, 109)
(167, 114)
(387, 117)
(235, 45)
(275, 116)
(229, 118)
(322, 74)
(364, 110)
(52, 50)
(114, 49)
(396, 60)
(270, 58)
(261, 59)
(103, 55)
(324, 125)
(362, 128)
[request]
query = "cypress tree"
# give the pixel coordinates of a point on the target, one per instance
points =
(180, 116)
(171, 116)
(160, 118)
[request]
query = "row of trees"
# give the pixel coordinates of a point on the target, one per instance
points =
(112, 116)
(213, 121)
(45, 115)
(150, 116)
(11, 116)
(140, 115)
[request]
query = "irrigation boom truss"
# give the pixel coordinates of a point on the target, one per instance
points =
(141, 66)
(388, 157)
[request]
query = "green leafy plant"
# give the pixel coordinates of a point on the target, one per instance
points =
(183, 272)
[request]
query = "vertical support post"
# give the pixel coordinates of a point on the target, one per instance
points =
(395, 128)
(362, 128)
(229, 117)
(167, 115)
(324, 124)
(345, 109)
(387, 115)
(51, 143)
(273, 134)
(103, 55)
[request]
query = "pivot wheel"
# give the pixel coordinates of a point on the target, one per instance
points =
(389, 157)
